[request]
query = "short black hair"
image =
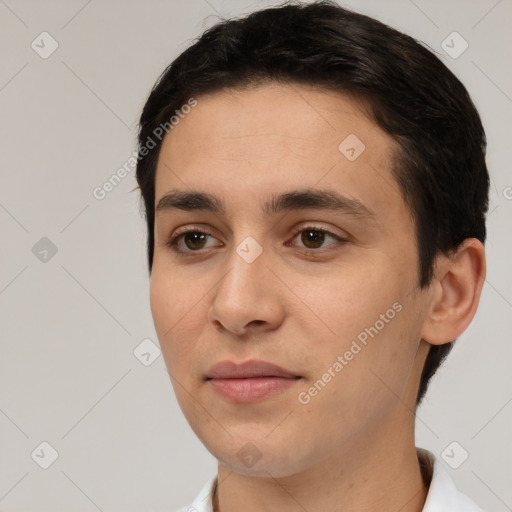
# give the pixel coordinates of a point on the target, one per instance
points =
(440, 161)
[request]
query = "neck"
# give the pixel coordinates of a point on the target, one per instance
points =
(381, 474)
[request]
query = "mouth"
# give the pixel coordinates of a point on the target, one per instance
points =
(249, 381)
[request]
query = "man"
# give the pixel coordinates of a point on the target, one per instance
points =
(315, 190)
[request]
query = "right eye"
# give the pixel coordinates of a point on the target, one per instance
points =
(189, 241)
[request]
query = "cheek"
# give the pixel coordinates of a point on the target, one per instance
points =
(178, 315)
(344, 302)
(364, 318)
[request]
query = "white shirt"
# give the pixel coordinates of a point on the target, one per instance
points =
(442, 495)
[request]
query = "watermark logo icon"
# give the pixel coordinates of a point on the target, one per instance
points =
(454, 45)
(249, 249)
(44, 250)
(44, 45)
(249, 454)
(146, 352)
(351, 147)
(44, 455)
(454, 455)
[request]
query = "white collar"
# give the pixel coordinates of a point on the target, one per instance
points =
(442, 495)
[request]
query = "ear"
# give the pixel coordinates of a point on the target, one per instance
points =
(456, 288)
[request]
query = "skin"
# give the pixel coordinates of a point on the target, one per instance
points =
(352, 446)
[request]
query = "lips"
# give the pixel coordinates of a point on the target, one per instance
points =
(247, 370)
(250, 381)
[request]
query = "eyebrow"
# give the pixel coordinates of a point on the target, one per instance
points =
(294, 200)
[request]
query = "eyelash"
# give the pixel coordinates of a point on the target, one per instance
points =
(172, 243)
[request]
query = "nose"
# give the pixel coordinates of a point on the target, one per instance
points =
(248, 298)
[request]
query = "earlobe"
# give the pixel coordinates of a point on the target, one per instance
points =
(456, 288)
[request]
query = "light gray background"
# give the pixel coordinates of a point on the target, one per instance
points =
(70, 325)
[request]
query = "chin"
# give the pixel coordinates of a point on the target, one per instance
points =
(258, 457)
(265, 467)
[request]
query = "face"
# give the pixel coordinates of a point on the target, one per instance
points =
(296, 249)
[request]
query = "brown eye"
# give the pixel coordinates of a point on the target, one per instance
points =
(194, 240)
(312, 238)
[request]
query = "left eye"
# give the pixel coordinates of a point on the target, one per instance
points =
(314, 238)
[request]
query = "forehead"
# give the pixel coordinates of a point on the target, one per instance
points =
(244, 144)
